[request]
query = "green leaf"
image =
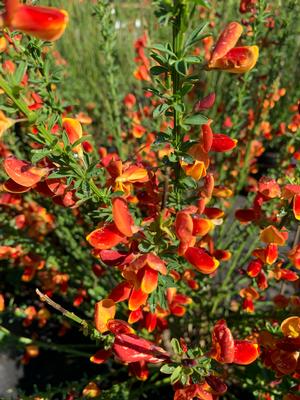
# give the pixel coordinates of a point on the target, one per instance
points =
(167, 369)
(20, 71)
(181, 67)
(39, 154)
(193, 59)
(164, 49)
(176, 346)
(159, 110)
(184, 379)
(158, 69)
(65, 139)
(161, 137)
(195, 35)
(179, 107)
(152, 301)
(186, 89)
(159, 58)
(197, 119)
(176, 374)
(80, 140)
(59, 175)
(187, 158)
(167, 281)
(187, 145)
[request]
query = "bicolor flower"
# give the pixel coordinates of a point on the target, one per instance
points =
(46, 23)
(226, 350)
(23, 175)
(226, 57)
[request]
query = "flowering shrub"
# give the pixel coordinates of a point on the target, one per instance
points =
(166, 256)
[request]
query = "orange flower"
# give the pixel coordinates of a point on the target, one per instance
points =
(5, 123)
(290, 327)
(296, 206)
(201, 226)
(3, 44)
(232, 59)
(73, 129)
(294, 256)
(272, 235)
(245, 352)
(129, 348)
(120, 292)
(22, 172)
(100, 356)
(226, 41)
(2, 303)
(143, 273)
(222, 143)
(227, 350)
(125, 176)
(207, 136)
(196, 170)
(105, 310)
(254, 268)
(91, 390)
(45, 23)
(184, 231)
(105, 237)
(122, 217)
(177, 301)
(206, 103)
(222, 343)
(201, 260)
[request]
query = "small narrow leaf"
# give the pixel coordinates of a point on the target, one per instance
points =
(197, 119)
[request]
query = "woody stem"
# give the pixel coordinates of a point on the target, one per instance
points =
(87, 327)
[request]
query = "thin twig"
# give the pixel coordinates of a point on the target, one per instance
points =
(165, 191)
(58, 307)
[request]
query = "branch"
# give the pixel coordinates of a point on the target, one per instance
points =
(88, 329)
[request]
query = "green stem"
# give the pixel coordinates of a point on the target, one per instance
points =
(87, 328)
(95, 189)
(227, 278)
(18, 102)
(178, 31)
(177, 48)
(25, 341)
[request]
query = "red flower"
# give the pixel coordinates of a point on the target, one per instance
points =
(45, 23)
(129, 348)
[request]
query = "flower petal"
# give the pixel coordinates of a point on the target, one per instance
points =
(137, 299)
(272, 235)
(222, 343)
(121, 292)
(201, 260)
(22, 172)
(130, 348)
(149, 280)
(100, 356)
(45, 23)
(222, 143)
(105, 237)
(122, 217)
(238, 60)
(245, 352)
(104, 311)
(296, 206)
(290, 327)
(226, 41)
